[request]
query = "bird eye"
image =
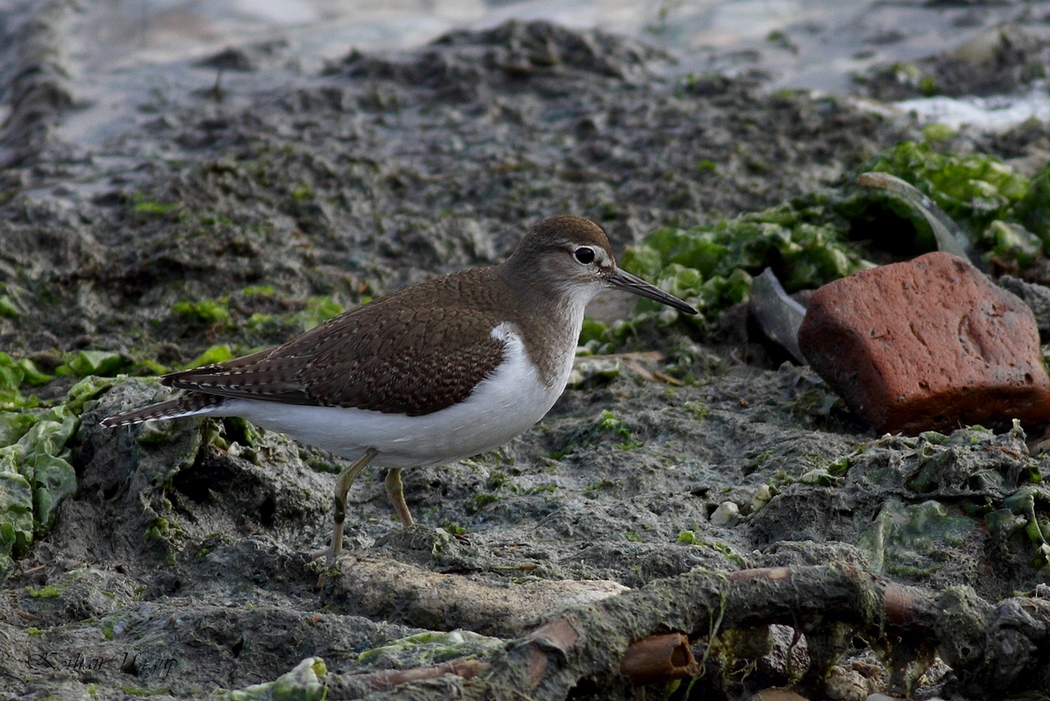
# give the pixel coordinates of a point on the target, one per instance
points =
(584, 254)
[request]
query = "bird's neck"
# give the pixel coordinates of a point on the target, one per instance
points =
(550, 319)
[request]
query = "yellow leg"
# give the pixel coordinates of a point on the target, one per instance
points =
(396, 492)
(342, 486)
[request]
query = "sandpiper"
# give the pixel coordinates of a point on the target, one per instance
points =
(435, 373)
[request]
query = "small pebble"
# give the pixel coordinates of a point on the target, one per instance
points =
(763, 493)
(725, 513)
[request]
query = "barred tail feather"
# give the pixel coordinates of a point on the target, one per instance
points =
(189, 404)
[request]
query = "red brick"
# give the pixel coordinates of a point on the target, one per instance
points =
(927, 344)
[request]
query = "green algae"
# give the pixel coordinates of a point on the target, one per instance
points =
(1022, 517)
(85, 363)
(914, 540)
(208, 311)
(1002, 211)
(305, 682)
(140, 205)
(597, 431)
(318, 309)
(13, 374)
(36, 472)
(712, 265)
(431, 647)
(973, 189)
(808, 241)
(213, 354)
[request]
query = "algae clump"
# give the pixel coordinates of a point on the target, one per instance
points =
(35, 469)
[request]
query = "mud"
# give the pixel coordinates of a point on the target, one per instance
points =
(183, 563)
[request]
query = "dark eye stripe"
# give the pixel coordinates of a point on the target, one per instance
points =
(584, 254)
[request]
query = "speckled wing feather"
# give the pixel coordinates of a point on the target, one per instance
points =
(403, 353)
(185, 405)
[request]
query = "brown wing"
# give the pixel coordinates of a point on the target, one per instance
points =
(416, 360)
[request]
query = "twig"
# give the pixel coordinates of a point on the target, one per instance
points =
(992, 649)
(652, 660)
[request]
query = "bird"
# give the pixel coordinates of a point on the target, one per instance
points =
(429, 375)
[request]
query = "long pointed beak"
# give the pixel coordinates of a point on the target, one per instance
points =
(638, 286)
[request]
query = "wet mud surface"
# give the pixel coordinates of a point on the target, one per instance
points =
(182, 564)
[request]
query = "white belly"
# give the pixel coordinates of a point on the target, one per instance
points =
(501, 407)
